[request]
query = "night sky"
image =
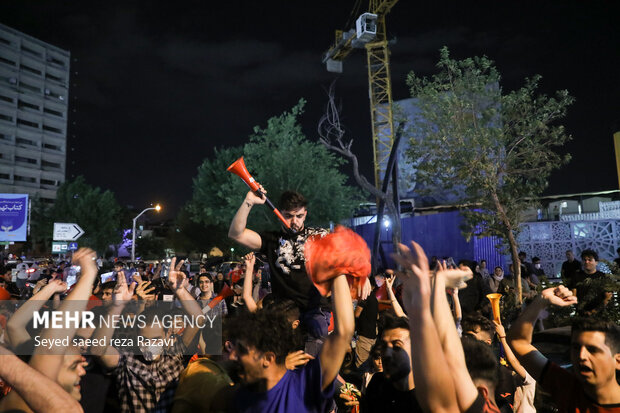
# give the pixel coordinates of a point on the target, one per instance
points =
(156, 85)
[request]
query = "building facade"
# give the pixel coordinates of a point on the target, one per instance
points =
(34, 99)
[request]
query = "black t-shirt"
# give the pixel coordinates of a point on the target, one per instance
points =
(472, 295)
(582, 290)
(381, 396)
(569, 269)
(285, 255)
(366, 323)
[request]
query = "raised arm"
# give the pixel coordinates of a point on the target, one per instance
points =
(32, 389)
(520, 334)
(250, 303)
(108, 355)
(238, 230)
(510, 356)
(398, 310)
(48, 361)
(434, 384)
(338, 342)
(178, 282)
(16, 326)
(466, 392)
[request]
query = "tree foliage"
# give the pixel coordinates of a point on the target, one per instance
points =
(281, 158)
(489, 148)
(96, 211)
(41, 226)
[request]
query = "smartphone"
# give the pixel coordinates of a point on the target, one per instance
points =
(107, 276)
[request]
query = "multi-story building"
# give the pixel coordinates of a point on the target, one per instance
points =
(34, 99)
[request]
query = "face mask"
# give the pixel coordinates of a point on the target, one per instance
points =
(151, 353)
(537, 266)
(396, 363)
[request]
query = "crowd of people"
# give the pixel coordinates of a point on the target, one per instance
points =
(307, 328)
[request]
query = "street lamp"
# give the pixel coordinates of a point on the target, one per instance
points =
(133, 230)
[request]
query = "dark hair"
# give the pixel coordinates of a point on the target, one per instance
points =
(522, 253)
(108, 285)
(535, 259)
(376, 351)
(292, 200)
(264, 331)
(284, 306)
(473, 320)
(119, 264)
(611, 330)
(391, 322)
(481, 362)
(589, 253)
(203, 275)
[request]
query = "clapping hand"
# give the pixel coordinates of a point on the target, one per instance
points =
(560, 296)
(455, 277)
(85, 258)
(416, 275)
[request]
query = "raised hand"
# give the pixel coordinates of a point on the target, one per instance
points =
(416, 275)
(57, 286)
(499, 329)
(39, 285)
(249, 259)
(85, 258)
(176, 277)
(454, 277)
(252, 199)
(122, 292)
(364, 289)
(144, 290)
(560, 296)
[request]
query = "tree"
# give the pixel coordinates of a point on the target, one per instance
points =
(187, 236)
(150, 247)
(41, 226)
(490, 148)
(96, 212)
(332, 135)
(281, 158)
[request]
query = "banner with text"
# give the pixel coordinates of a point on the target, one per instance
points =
(146, 328)
(13, 217)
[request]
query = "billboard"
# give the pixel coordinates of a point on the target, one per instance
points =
(13, 217)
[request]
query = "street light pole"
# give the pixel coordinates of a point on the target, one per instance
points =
(133, 230)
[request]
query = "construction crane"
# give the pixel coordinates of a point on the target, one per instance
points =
(369, 33)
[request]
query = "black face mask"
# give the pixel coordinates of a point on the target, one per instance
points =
(396, 363)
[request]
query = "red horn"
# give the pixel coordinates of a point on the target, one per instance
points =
(239, 169)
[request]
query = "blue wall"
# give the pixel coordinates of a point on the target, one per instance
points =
(440, 235)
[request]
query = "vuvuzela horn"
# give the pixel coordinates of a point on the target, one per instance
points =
(494, 299)
(239, 169)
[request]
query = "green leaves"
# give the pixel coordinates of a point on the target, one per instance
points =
(280, 157)
(96, 211)
(475, 140)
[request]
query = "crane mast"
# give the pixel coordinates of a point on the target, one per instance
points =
(370, 33)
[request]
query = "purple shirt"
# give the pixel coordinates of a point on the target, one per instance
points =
(297, 391)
